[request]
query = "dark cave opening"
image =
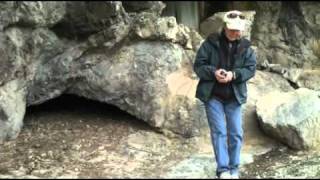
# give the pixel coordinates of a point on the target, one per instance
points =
(68, 107)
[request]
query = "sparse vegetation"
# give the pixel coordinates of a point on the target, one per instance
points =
(316, 47)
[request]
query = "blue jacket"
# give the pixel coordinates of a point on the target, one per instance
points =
(207, 60)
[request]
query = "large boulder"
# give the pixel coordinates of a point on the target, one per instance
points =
(293, 118)
(150, 80)
(257, 88)
(142, 64)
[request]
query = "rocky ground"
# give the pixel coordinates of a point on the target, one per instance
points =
(74, 138)
(283, 163)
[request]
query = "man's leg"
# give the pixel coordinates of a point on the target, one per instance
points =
(235, 134)
(218, 132)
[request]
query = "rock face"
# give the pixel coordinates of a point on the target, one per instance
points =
(140, 62)
(293, 117)
(287, 36)
(32, 14)
(286, 33)
(147, 6)
(12, 109)
(83, 19)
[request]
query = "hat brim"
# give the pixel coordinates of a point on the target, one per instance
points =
(235, 26)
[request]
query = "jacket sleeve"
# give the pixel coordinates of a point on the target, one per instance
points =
(202, 66)
(249, 68)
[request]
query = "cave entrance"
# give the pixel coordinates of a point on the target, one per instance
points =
(72, 114)
(71, 137)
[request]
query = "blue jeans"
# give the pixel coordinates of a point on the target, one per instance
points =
(226, 132)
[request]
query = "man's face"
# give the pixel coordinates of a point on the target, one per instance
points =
(232, 34)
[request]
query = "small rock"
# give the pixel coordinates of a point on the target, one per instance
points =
(37, 145)
(50, 154)
(31, 165)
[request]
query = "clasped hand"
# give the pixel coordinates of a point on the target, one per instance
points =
(223, 76)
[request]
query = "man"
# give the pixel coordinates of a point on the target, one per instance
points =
(224, 63)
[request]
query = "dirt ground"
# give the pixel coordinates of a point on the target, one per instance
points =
(71, 137)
